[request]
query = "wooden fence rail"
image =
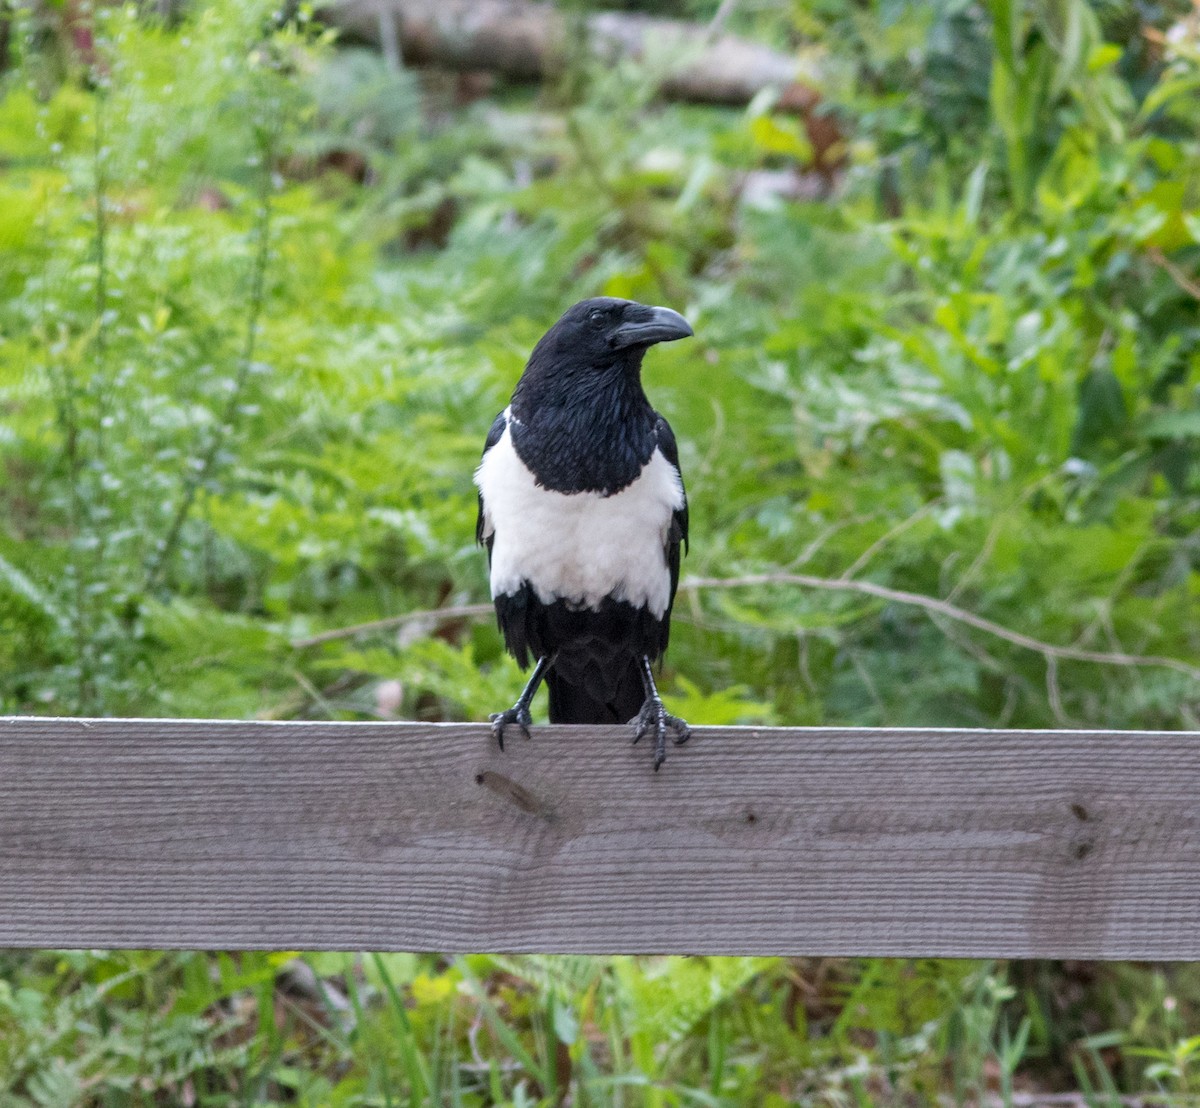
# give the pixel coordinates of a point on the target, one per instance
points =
(207, 834)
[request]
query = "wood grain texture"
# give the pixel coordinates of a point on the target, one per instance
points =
(151, 833)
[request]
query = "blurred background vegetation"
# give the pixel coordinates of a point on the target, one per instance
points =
(261, 294)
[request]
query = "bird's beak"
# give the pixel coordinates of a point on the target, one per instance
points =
(646, 326)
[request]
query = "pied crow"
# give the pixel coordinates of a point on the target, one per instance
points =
(583, 513)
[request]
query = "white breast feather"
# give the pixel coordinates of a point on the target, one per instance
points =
(579, 547)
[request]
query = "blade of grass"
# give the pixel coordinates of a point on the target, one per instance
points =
(414, 1064)
(508, 1038)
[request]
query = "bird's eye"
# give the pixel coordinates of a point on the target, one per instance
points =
(596, 319)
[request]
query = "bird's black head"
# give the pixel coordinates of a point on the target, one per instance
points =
(580, 418)
(604, 332)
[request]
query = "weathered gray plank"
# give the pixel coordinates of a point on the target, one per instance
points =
(405, 836)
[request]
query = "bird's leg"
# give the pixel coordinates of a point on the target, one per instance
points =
(654, 718)
(519, 712)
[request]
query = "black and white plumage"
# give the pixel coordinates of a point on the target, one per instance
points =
(583, 513)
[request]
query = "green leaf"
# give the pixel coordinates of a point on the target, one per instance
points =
(1102, 56)
(1102, 410)
(774, 138)
(1172, 87)
(20, 585)
(1173, 425)
(565, 1023)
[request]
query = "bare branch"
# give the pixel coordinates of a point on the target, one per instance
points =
(434, 615)
(930, 604)
(951, 611)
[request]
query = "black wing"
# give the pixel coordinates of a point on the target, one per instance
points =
(678, 534)
(493, 437)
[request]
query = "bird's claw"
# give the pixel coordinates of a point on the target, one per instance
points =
(655, 718)
(517, 715)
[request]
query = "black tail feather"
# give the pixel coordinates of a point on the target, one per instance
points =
(593, 696)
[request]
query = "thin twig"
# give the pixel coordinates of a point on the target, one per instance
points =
(887, 537)
(389, 39)
(1007, 710)
(1186, 282)
(434, 615)
(67, 416)
(717, 24)
(864, 676)
(993, 536)
(979, 561)
(100, 185)
(100, 389)
(313, 693)
(802, 661)
(200, 473)
(813, 548)
(1054, 693)
(966, 644)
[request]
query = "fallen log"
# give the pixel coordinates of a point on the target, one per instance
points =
(529, 41)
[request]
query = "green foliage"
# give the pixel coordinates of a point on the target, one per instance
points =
(264, 392)
(374, 1029)
(260, 300)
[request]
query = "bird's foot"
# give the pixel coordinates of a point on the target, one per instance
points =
(655, 719)
(516, 716)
